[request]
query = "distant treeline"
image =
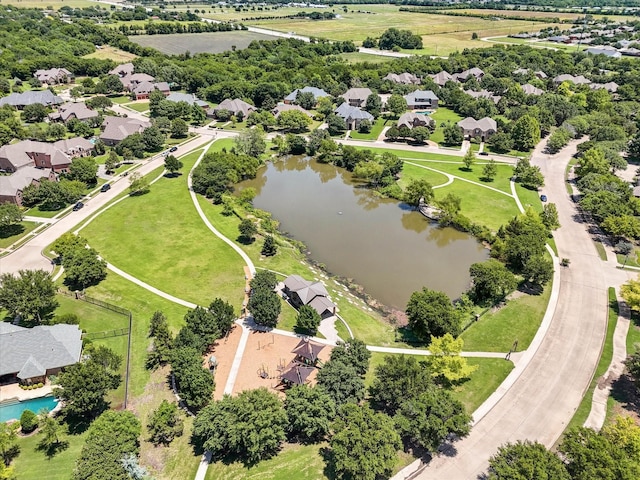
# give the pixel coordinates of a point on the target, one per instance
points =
(487, 16)
(312, 16)
(164, 28)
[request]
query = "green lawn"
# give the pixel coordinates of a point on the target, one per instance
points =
(442, 114)
(121, 99)
(410, 172)
(32, 464)
(483, 382)
(159, 238)
(36, 212)
(357, 57)
(582, 413)
(529, 198)
(518, 320)
(375, 130)
(15, 233)
(138, 107)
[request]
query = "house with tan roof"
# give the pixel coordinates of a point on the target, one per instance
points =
(122, 70)
(285, 107)
(472, 72)
(77, 110)
(12, 186)
(235, 106)
(484, 94)
(421, 99)
(56, 156)
(442, 78)
(413, 119)
(117, 129)
(303, 292)
(405, 78)
(317, 93)
(54, 76)
(29, 355)
(483, 128)
(357, 97)
(577, 80)
(529, 89)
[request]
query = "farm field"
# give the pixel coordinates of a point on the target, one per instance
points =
(541, 14)
(211, 42)
(110, 53)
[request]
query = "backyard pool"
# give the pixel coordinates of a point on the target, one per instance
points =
(425, 112)
(12, 409)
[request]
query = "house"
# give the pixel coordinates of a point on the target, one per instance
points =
(124, 70)
(604, 50)
(483, 128)
(420, 99)
(189, 98)
(68, 111)
(611, 87)
(29, 355)
(540, 74)
(475, 72)
(235, 106)
(284, 107)
(353, 116)
(142, 90)
(12, 186)
(307, 352)
(21, 100)
(521, 71)
(559, 39)
(302, 292)
(484, 94)
(405, 78)
(117, 129)
(54, 76)
(357, 97)
(577, 80)
(412, 119)
(631, 52)
(317, 94)
(442, 78)
(131, 81)
(529, 89)
(55, 156)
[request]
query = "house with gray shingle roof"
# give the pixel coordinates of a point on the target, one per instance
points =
(442, 78)
(483, 128)
(484, 94)
(577, 80)
(77, 110)
(352, 116)
(421, 99)
(357, 97)
(529, 89)
(117, 129)
(54, 76)
(12, 186)
(189, 98)
(28, 355)
(412, 119)
(405, 78)
(303, 292)
(285, 107)
(21, 100)
(318, 93)
(235, 106)
(472, 72)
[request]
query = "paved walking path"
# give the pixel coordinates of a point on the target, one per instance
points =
(30, 218)
(598, 412)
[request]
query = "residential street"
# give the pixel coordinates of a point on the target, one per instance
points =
(543, 399)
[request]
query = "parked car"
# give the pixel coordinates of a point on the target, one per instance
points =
(173, 149)
(484, 153)
(78, 206)
(105, 187)
(543, 198)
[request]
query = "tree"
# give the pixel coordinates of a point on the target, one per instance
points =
(532, 178)
(335, 124)
(622, 226)
(28, 421)
(263, 280)
(112, 84)
(172, 164)
(251, 142)
(452, 134)
(138, 185)
(34, 113)
(558, 140)
(83, 268)
(432, 314)
(525, 236)
(633, 366)
(418, 188)
(51, 441)
(630, 292)
(30, 295)
(428, 419)
(352, 352)
(501, 142)
(374, 105)
(294, 121)
(111, 162)
(592, 161)
(396, 104)
(247, 229)
(364, 445)
(492, 281)
(445, 361)
(549, 216)
(83, 169)
(84, 385)
(179, 128)
(109, 439)
(223, 316)
(8, 442)
(365, 126)
(420, 134)
(449, 206)
(195, 384)
(524, 461)
(308, 320)
(342, 382)
(306, 100)
(264, 307)
(269, 247)
(250, 426)
(489, 171)
(324, 106)
(399, 378)
(56, 131)
(10, 215)
(160, 353)
(468, 160)
(164, 424)
(525, 133)
(153, 139)
(310, 412)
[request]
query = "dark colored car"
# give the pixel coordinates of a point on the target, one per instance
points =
(78, 206)
(543, 198)
(173, 149)
(105, 187)
(484, 153)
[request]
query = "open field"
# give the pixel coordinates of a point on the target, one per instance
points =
(160, 238)
(542, 14)
(538, 43)
(8, 238)
(357, 57)
(107, 52)
(210, 42)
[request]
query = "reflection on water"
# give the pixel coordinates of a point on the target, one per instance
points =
(388, 249)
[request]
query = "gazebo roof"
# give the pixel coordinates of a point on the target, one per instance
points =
(297, 374)
(308, 350)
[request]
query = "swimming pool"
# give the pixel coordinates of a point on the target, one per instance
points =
(12, 410)
(425, 112)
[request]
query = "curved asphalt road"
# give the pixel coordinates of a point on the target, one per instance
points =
(542, 401)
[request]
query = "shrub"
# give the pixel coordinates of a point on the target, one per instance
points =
(28, 421)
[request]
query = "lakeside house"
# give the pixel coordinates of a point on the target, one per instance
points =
(352, 116)
(303, 292)
(29, 355)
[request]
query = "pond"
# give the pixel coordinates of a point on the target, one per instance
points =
(383, 245)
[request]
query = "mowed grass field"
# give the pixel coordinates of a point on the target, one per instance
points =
(541, 14)
(210, 42)
(110, 53)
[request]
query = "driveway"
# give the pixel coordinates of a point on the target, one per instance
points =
(544, 398)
